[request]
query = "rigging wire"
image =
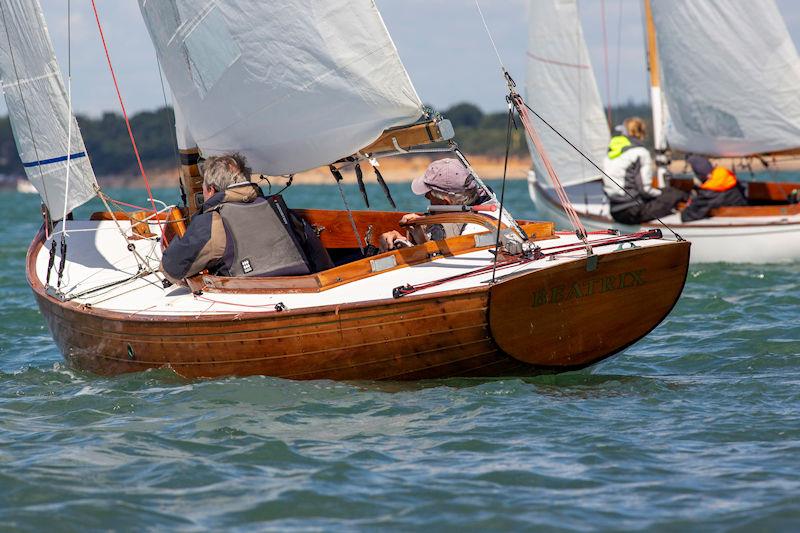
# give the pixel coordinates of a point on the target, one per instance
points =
(605, 61)
(489, 33)
(619, 51)
(503, 188)
(516, 100)
(173, 127)
(64, 233)
(124, 112)
(591, 162)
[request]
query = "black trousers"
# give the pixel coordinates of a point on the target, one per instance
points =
(647, 210)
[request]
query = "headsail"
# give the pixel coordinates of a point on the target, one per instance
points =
(39, 110)
(730, 76)
(292, 84)
(561, 87)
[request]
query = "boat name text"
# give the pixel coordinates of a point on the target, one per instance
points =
(582, 289)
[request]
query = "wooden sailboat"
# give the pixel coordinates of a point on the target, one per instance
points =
(710, 94)
(332, 91)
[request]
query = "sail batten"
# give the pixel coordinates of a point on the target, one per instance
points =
(292, 84)
(730, 75)
(45, 131)
(561, 87)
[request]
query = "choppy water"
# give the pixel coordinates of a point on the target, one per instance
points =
(696, 427)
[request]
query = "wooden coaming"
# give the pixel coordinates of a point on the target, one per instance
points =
(364, 268)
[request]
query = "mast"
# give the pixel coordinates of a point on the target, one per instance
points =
(656, 101)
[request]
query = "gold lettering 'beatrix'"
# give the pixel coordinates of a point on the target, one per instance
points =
(583, 289)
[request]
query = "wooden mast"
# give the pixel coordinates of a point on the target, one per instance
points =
(192, 180)
(656, 101)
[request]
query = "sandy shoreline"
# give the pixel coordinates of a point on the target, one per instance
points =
(404, 169)
(395, 170)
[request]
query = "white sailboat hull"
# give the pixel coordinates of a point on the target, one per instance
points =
(727, 240)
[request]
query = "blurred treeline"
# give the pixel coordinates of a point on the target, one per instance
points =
(109, 147)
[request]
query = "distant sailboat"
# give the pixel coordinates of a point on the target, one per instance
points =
(294, 86)
(710, 94)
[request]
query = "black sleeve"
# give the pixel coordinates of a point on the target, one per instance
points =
(182, 253)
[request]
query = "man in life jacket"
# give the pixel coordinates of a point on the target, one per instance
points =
(718, 187)
(629, 166)
(238, 232)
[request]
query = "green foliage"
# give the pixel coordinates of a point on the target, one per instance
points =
(109, 146)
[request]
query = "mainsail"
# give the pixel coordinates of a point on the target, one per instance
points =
(291, 84)
(561, 87)
(39, 111)
(730, 75)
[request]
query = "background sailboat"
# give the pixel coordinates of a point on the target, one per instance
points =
(711, 119)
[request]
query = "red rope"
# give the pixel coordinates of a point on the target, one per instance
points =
(572, 215)
(124, 112)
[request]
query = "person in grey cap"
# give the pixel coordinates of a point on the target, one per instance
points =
(445, 182)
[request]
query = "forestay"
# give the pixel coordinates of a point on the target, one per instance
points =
(291, 84)
(561, 87)
(730, 75)
(39, 110)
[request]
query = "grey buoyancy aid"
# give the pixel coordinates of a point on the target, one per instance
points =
(264, 240)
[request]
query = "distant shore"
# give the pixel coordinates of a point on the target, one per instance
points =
(404, 169)
(396, 169)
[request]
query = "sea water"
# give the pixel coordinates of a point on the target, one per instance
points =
(695, 427)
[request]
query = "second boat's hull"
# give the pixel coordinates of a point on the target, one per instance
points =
(743, 242)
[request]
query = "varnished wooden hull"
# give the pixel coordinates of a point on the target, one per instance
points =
(504, 330)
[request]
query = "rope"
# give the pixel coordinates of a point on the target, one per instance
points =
(124, 112)
(569, 209)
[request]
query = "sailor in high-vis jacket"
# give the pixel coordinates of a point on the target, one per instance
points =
(238, 232)
(629, 166)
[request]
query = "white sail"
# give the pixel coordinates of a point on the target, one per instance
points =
(39, 111)
(291, 84)
(730, 76)
(561, 87)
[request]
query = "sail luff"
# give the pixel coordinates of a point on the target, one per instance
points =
(291, 84)
(46, 133)
(730, 76)
(561, 86)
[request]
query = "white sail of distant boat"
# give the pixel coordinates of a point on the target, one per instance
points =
(39, 111)
(730, 75)
(561, 87)
(291, 93)
(731, 91)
